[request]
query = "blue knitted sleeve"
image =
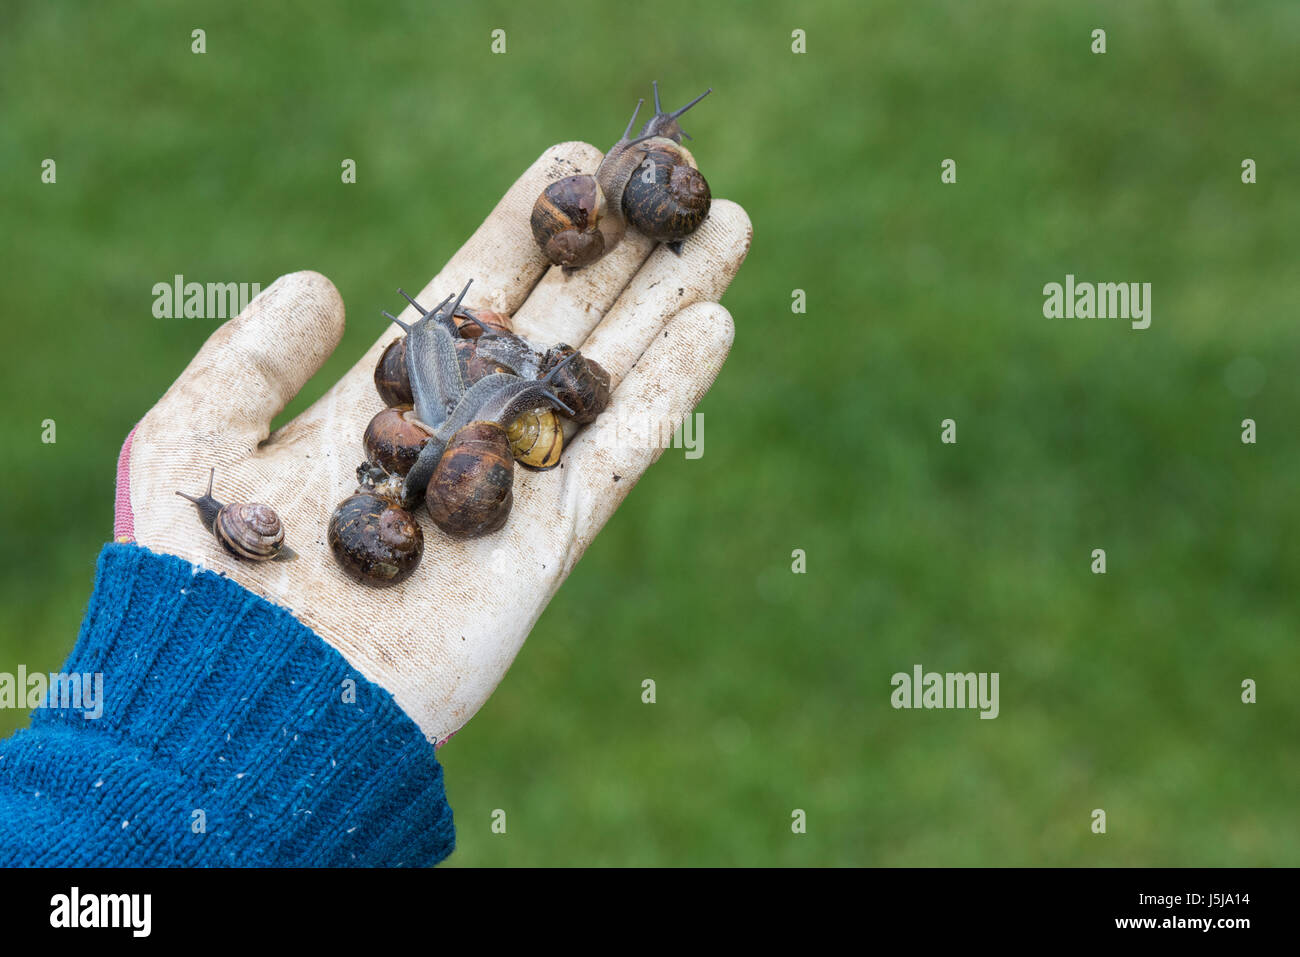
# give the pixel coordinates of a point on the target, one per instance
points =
(228, 734)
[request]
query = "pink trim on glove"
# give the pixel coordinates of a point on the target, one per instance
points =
(123, 517)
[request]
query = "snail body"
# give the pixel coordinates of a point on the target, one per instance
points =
(247, 530)
(578, 219)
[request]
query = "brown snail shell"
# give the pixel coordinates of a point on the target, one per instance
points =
(391, 379)
(573, 224)
(583, 384)
(472, 324)
(247, 530)
(475, 365)
(470, 493)
(375, 541)
(667, 198)
(393, 439)
(537, 439)
(250, 530)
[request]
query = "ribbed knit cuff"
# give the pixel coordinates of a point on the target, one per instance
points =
(231, 735)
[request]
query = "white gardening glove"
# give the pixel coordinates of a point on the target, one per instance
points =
(440, 641)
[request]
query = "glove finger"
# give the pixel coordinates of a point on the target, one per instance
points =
(253, 365)
(566, 308)
(672, 376)
(667, 284)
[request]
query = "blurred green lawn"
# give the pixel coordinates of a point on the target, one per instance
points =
(924, 302)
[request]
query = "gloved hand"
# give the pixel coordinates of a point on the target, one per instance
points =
(441, 641)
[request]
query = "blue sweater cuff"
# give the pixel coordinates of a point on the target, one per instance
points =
(230, 735)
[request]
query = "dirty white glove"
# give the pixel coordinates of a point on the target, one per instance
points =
(441, 641)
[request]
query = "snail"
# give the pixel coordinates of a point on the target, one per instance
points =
(536, 439)
(467, 468)
(581, 383)
(667, 198)
(391, 380)
(393, 439)
(374, 540)
(578, 219)
(246, 530)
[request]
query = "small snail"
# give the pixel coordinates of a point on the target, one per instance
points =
(374, 540)
(536, 439)
(581, 383)
(246, 530)
(578, 219)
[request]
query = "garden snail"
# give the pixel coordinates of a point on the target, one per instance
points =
(578, 219)
(581, 383)
(246, 530)
(467, 468)
(536, 439)
(393, 439)
(374, 539)
(667, 197)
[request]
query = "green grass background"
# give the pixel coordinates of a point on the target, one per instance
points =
(924, 302)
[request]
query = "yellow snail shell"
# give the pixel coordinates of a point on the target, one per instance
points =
(537, 439)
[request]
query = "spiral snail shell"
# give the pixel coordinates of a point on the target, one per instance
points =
(391, 379)
(472, 488)
(247, 530)
(536, 439)
(374, 540)
(393, 439)
(667, 198)
(581, 383)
